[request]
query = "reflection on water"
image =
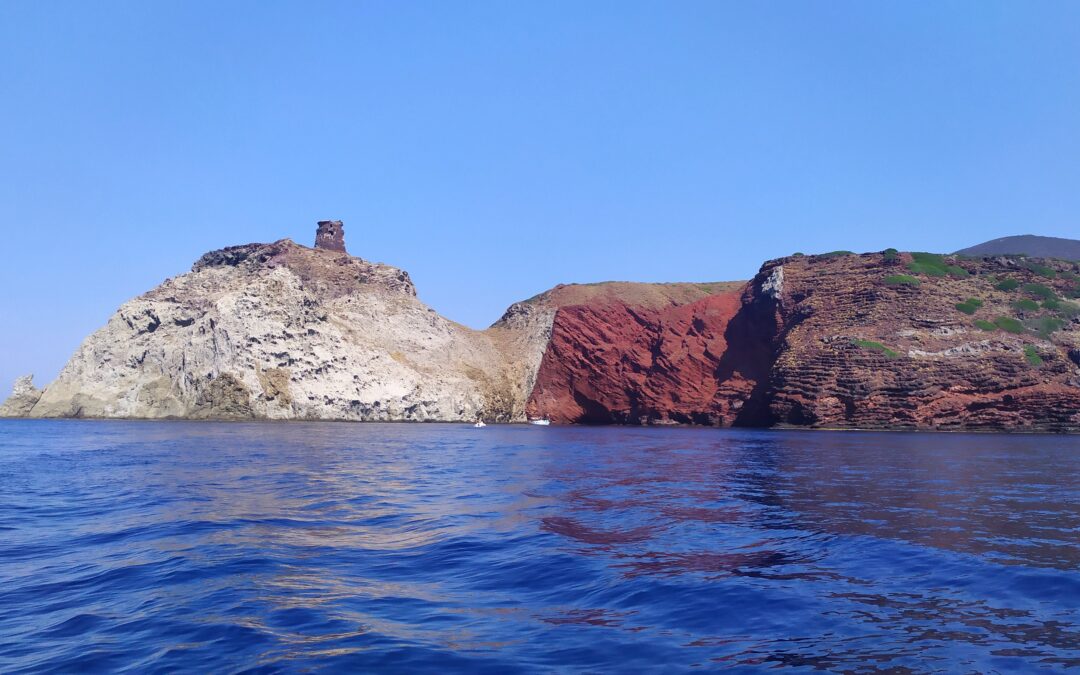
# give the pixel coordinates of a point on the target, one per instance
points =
(201, 546)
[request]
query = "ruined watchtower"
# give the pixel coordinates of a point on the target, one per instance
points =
(330, 235)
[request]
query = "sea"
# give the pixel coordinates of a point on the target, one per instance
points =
(165, 547)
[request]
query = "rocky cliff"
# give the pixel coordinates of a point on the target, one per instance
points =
(24, 396)
(925, 342)
(283, 331)
(876, 341)
(643, 354)
(883, 340)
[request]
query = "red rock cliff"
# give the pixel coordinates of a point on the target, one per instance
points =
(880, 341)
(846, 341)
(646, 354)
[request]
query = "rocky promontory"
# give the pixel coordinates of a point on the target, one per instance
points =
(884, 340)
(875, 341)
(284, 331)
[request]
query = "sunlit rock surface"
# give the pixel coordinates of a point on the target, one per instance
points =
(876, 341)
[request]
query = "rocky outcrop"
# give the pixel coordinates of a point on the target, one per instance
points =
(283, 331)
(865, 343)
(876, 341)
(24, 396)
(869, 341)
(643, 354)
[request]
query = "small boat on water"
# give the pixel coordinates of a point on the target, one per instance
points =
(540, 423)
(479, 424)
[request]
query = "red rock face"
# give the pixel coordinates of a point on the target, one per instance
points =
(836, 341)
(613, 362)
(942, 371)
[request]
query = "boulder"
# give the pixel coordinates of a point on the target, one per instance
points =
(24, 395)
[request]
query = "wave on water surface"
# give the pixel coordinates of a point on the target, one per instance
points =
(178, 546)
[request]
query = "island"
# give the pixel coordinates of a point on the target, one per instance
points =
(881, 340)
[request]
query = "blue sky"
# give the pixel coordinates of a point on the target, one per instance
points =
(496, 149)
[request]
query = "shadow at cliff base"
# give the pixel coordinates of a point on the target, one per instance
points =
(752, 338)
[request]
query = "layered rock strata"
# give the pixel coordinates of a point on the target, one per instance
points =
(838, 341)
(875, 341)
(863, 342)
(644, 354)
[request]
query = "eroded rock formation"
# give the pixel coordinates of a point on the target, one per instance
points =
(283, 331)
(882, 340)
(643, 353)
(865, 343)
(24, 395)
(844, 341)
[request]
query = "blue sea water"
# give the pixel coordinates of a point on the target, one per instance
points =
(217, 547)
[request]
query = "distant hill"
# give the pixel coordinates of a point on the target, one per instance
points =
(1028, 244)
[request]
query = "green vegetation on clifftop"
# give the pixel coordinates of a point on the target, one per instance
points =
(875, 346)
(969, 306)
(934, 265)
(901, 280)
(1009, 325)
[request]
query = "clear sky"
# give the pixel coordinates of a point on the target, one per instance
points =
(495, 149)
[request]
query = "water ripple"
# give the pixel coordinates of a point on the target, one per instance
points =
(267, 548)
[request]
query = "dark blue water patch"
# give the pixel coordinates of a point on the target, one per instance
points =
(266, 548)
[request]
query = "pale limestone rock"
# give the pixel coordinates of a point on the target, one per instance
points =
(24, 395)
(773, 286)
(282, 331)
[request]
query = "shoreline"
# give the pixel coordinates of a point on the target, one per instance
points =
(468, 424)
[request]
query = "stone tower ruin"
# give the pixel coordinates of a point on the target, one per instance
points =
(330, 235)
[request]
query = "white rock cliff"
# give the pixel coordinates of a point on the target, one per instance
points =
(283, 331)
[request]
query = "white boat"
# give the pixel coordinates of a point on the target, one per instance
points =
(540, 423)
(480, 424)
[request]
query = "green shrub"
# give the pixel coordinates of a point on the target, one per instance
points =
(1009, 325)
(1050, 324)
(1041, 270)
(901, 280)
(836, 254)
(982, 324)
(1068, 309)
(934, 265)
(1007, 285)
(1051, 304)
(1032, 356)
(875, 346)
(930, 264)
(1044, 325)
(891, 254)
(797, 254)
(1040, 291)
(1025, 305)
(969, 306)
